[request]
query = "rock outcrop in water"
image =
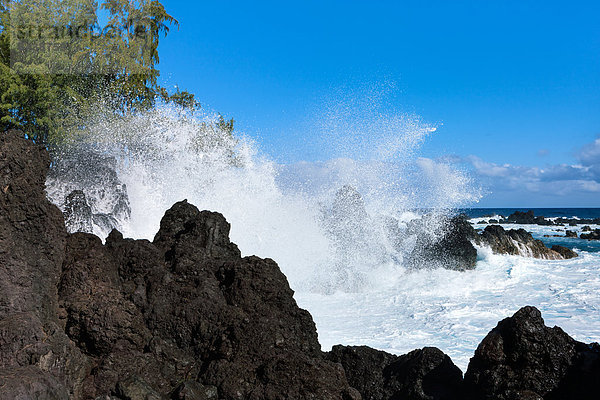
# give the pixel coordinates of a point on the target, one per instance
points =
(520, 242)
(185, 317)
(593, 235)
(455, 249)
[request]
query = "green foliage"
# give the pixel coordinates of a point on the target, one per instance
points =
(57, 64)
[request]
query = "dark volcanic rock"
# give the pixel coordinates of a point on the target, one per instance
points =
(236, 315)
(565, 252)
(527, 218)
(522, 358)
(516, 242)
(38, 360)
(135, 319)
(571, 234)
(593, 235)
(421, 374)
(454, 250)
(188, 305)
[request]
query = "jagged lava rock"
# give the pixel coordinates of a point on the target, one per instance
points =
(527, 218)
(37, 358)
(516, 242)
(523, 358)
(593, 235)
(237, 315)
(135, 319)
(425, 374)
(453, 250)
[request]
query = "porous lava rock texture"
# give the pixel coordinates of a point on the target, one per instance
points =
(424, 374)
(183, 317)
(524, 359)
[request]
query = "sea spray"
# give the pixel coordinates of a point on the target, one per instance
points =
(279, 211)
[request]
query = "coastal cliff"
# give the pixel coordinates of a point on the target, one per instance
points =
(186, 317)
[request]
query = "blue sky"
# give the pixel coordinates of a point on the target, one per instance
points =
(513, 87)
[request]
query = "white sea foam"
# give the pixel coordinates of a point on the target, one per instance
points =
(455, 310)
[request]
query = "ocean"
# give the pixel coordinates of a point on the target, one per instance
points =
(587, 213)
(343, 253)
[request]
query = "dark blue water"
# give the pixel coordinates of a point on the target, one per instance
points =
(545, 212)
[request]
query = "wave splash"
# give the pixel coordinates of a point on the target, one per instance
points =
(336, 225)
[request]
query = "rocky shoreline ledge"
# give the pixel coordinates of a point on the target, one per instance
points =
(186, 317)
(529, 218)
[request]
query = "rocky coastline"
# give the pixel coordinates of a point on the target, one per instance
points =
(186, 317)
(529, 218)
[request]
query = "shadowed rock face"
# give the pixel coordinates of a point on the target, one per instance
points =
(454, 250)
(424, 374)
(523, 358)
(180, 317)
(37, 358)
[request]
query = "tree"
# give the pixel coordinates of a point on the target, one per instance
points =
(57, 63)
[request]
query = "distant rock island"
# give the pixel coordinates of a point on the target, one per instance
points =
(186, 317)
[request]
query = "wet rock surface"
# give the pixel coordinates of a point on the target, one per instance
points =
(186, 317)
(454, 247)
(453, 250)
(518, 242)
(593, 235)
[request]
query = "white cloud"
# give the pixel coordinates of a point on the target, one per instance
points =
(554, 185)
